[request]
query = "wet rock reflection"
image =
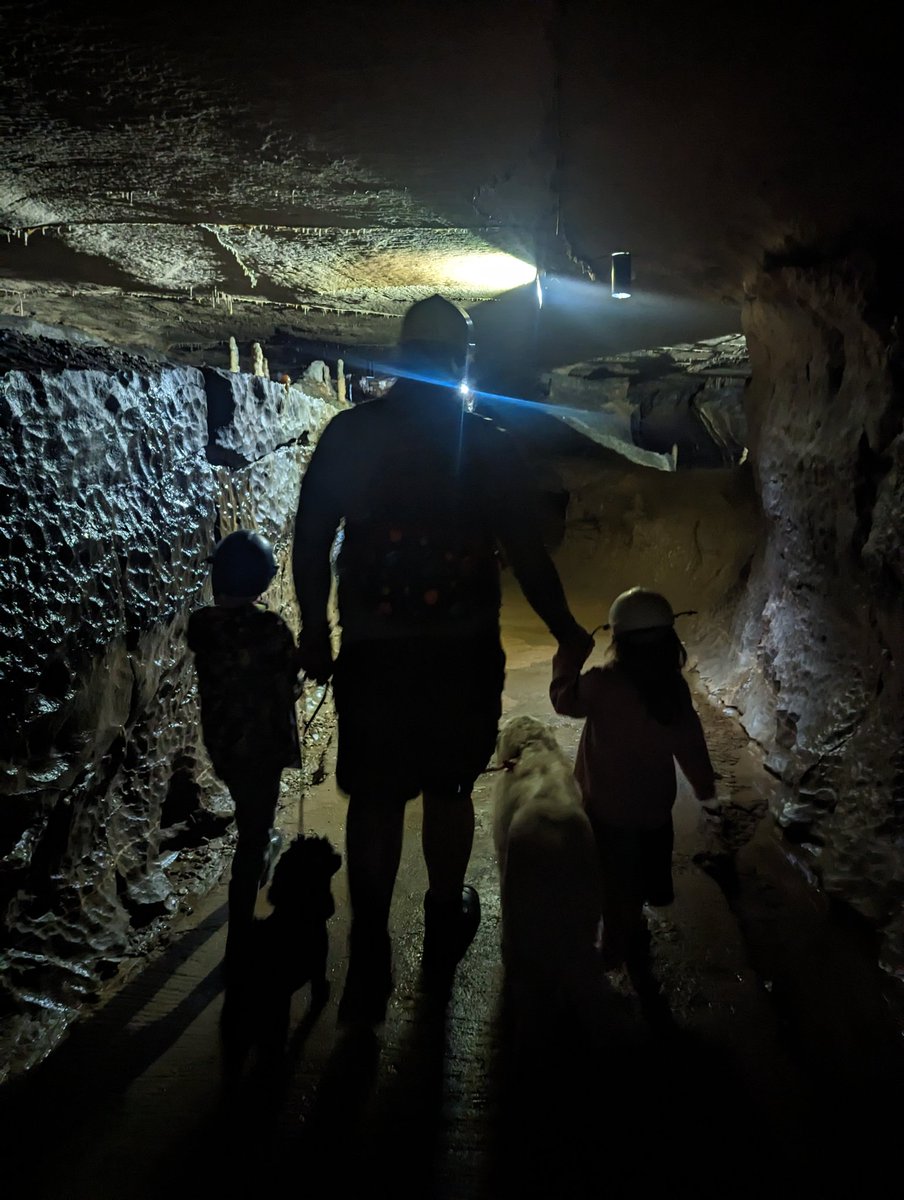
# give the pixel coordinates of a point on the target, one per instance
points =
(111, 510)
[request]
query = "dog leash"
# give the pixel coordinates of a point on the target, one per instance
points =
(305, 726)
(508, 765)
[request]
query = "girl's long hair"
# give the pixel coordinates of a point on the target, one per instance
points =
(653, 660)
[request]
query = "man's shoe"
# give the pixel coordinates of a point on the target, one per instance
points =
(449, 929)
(368, 984)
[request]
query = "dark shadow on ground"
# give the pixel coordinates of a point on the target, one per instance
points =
(105, 1037)
(261, 1132)
(402, 1145)
(833, 1012)
(66, 1097)
(658, 1109)
(653, 1113)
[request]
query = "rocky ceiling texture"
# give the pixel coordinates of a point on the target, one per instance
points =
(171, 164)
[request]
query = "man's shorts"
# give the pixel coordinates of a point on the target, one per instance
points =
(417, 715)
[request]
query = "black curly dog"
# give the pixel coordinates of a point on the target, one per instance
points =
(285, 951)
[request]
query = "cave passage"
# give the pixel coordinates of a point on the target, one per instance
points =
(735, 1035)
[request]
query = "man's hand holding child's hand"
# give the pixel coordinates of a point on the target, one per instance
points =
(576, 640)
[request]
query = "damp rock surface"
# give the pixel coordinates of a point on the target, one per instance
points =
(818, 631)
(107, 519)
(110, 814)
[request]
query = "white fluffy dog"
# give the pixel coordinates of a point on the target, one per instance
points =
(549, 879)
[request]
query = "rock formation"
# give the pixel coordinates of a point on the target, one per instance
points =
(818, 639)
(117, 475)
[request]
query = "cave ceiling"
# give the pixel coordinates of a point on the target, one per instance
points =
(169, 170)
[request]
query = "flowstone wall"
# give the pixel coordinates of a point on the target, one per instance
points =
(109, 507)
(819, 633)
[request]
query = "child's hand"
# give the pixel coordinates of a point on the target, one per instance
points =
(577, 641)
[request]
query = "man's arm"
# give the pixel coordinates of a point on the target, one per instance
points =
(316, 521)
(512, 501)
(538, 578)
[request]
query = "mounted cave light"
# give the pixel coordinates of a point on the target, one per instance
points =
(621, 275)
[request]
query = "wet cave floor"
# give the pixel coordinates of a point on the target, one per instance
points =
(759, 1053)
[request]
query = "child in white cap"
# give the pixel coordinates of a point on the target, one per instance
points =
(639, 719)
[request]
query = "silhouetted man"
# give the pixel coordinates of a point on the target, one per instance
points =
(427, 492)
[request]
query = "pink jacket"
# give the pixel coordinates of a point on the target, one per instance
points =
(626, 760)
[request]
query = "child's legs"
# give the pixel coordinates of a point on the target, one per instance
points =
(656, 869)
(624, 929)
(255, 795)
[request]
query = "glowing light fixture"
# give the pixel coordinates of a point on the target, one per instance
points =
(493, 271)
(621, 275)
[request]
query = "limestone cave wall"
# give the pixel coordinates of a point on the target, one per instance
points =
(113, 487)
(262, 435)
(819, 634)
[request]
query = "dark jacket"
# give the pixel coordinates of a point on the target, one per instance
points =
(626, 758)
(428, 494)
(247, 663)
